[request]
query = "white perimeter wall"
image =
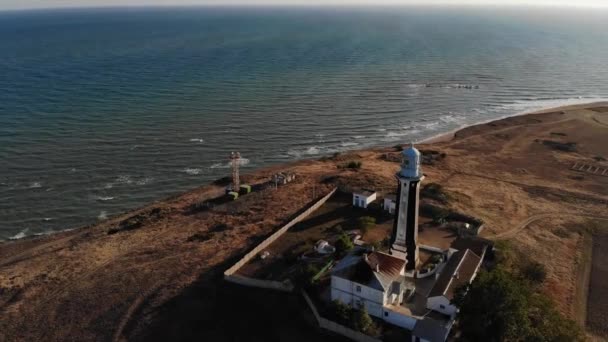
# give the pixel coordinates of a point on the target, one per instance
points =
(434, 303)
(399, 319)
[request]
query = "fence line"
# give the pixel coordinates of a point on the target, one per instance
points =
(431, 248)
(228, 274)
(332, 326)
(285, 286)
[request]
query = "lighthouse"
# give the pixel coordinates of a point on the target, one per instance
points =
(404, 241)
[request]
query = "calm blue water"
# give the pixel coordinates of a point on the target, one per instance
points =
(105, 110)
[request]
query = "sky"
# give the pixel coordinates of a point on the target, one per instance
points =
(27, 4)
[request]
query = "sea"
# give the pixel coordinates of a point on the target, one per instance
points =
(104, 110)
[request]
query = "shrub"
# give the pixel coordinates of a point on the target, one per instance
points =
(434, 212)
(343, 245)
(341, 312)
(366, 223)
(354, 165)
(436, 192)
(361, 320)
(305, 274)
(534, 272)
(500, 306)
(436, 258)
(560, 146)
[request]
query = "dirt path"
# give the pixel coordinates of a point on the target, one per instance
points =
(538, 217)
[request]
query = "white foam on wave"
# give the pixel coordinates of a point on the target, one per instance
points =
(35, 185)
(19, 235)
(144, 181)
(123, 179)
(103, 198)
(192, 171)
(307, 151)
(129, 180)
(538, 104)
(242, 162)
(522, 107)
(359, 137)
(102, 215)
(198, 140)
(348, 144)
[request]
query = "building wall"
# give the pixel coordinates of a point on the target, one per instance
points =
(366, 200)
(435, 303)
(389, 206)
(399, 319)
(346, 292)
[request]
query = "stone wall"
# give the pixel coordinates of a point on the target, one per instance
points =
(337, 328)
(229, 274)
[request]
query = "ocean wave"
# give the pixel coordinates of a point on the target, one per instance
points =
(144, 181)
(307, 151)
(19, 235)
(103, 198)
(129, 180)
(35, 185)
(123, 179)
(348, 144)
(102, 215)
(192, 171)
(227, 165)
(358, 137)
(198, 140)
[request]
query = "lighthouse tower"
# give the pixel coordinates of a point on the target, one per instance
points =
(404, 242)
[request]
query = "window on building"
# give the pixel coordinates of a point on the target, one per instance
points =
(442, 306)
(358, 289)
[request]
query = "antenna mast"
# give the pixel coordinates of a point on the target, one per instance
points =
(235, 158)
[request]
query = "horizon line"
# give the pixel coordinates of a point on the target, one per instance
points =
(320, 5)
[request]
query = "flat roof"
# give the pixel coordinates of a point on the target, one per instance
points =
(364, 192)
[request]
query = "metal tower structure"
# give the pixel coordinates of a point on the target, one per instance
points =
(235, 159)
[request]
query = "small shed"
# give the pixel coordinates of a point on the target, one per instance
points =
(390, 203)
(362, 198)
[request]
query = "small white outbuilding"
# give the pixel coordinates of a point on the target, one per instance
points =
(390, 203)
(362, 198)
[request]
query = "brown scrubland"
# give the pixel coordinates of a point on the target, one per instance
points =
(156, 273)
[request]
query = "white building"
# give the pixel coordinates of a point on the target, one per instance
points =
(460, 270)
(388, 285)
(363, 198)
(390, 203)
(374, 281)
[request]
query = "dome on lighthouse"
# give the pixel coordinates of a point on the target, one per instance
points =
(410, 166)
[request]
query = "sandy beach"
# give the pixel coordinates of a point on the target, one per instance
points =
(535, 180)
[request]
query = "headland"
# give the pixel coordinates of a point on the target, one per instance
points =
(537, 180)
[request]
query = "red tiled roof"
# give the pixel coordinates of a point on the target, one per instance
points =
(388, 264)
